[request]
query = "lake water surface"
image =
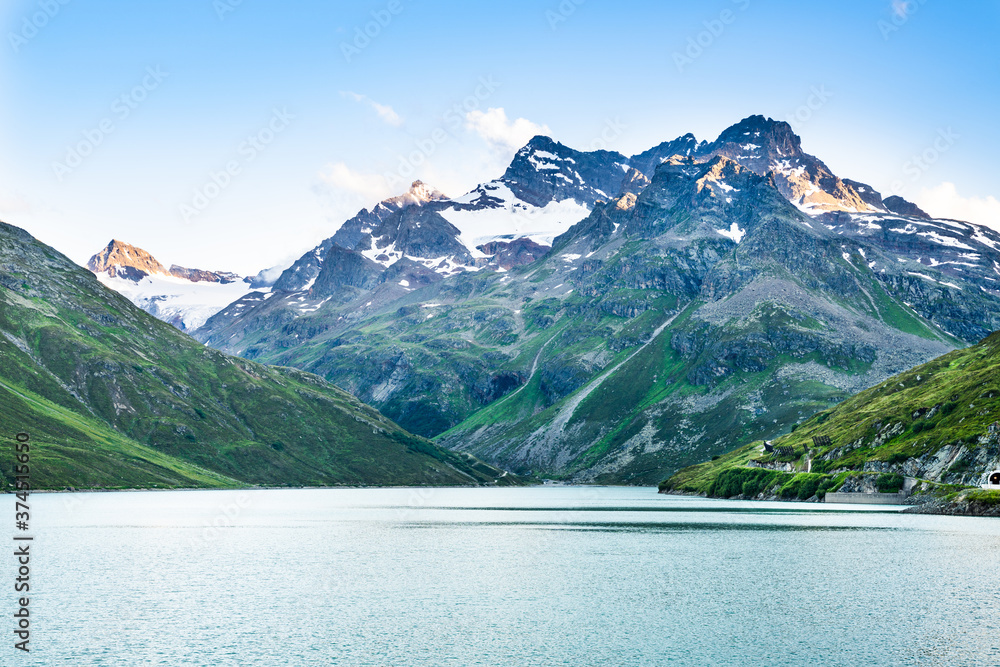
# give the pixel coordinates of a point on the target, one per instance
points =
(537, 576)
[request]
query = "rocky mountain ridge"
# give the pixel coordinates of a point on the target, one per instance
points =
(122, 260)
(423, 236)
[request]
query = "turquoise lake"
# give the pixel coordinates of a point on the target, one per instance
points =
(552, 575)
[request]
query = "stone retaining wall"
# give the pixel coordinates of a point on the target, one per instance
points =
(867, 498)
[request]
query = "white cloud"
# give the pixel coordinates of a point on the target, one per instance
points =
(494, 126)
(384, 111)
(369, 187)
(944, 201)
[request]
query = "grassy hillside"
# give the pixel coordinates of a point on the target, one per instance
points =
(937, 422)
(113, 397)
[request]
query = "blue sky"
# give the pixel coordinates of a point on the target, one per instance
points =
(228, 134)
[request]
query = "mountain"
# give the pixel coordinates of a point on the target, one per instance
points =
(184, 297)
(423, 237)
(938, 422)
(112, 397)
(742, 315)
(702, 294)
(766, 146)
(546, 188)
(121, 260)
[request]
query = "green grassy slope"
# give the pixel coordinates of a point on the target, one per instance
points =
(68, 449)
(113, 397)
(937, 422)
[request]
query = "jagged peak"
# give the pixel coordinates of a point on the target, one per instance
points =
(687, 139)
(125, 258)
(426, 192)
(756, 129)
(540, 142)
(677, 160)
(900, 206)
(419, 194)
(116, 245)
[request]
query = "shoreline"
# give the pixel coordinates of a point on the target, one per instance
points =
(958, 506)
(253, 488)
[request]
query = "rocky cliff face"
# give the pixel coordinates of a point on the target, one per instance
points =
(200, 276)
(545, 171)
(767, 146)
(900, 206)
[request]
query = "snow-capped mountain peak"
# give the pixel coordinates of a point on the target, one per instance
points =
(547, 188)
(766, 145)
(121, 260)
(183, 297)
(419, 194)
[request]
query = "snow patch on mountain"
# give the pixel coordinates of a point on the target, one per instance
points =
(183, 303)
(734, 232)
(945, 240)
(502, 216)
